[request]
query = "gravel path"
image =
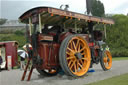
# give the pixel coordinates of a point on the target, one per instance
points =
(13, 77)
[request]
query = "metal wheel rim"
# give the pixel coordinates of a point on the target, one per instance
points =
(107, 59)
(78, 66)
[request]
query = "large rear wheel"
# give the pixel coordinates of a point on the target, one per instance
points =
(74, 56)
(106, 60)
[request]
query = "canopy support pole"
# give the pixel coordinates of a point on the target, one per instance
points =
(105, 31)
(40, 23)
(30, 26)
(75, 26)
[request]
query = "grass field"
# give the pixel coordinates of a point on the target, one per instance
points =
(13, 37)
(119, 58)
(117, 80)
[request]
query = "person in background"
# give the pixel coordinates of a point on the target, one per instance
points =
(30, 48)
(1, 60)
(23, 55)
(45, 30)
(22, 63)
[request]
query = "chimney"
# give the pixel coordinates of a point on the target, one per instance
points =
(88, 5)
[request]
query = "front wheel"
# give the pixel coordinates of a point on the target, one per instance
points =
(106, 60)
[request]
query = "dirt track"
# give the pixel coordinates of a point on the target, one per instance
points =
(13, 77)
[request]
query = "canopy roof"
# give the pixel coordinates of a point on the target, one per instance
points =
(51, 15)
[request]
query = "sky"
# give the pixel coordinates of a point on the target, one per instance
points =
(12, 9)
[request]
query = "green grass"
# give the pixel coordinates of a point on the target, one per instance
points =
(119, 58)
(117, 80)
(13, 37)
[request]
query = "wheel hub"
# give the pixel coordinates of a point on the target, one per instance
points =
(78, 56)
(108, 60)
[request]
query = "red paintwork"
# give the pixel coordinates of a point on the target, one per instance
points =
(96, 52)
(10, 50)
(91, 44)
(49, 54)
(49, 51)
(63, 36)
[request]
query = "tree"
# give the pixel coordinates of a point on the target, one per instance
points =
(97, 8)
(117, 37)
(2, 21)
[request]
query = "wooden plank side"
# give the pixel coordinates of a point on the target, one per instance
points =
(107, 21)
(60, 12)
(80, 16)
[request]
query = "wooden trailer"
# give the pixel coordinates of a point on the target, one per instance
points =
(8, 52)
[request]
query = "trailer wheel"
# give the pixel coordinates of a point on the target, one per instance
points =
(106, 60)
(74, 56)
(46, 72)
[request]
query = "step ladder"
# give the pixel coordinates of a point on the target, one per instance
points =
(25, 71)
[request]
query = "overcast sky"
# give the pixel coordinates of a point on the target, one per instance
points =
(12, 9)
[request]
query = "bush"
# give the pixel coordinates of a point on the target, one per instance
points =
(121, 52)
(18, 32)
(13, 37)
(117, 38)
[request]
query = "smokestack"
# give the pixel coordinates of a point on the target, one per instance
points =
(88, 6)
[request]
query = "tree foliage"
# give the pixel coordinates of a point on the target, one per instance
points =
(97, 8)
(19, 33)
(2, 21)
(117, 35)
(13, 37)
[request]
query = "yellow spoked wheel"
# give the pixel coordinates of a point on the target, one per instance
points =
(106, 60)
(74, 56)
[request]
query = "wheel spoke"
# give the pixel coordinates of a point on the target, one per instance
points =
(83, 53)
(70, 57)
(105, 64)
(81, 62)
(75, 66)
(105, 59)
(70, 49)
(108, 63)
(80, 65)
(77, 43)
(71, 45)
(82, 49)
(68, 53)
(74, 45)
(85, 59)
(72, 65)
(78, 47)
(69, 63)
